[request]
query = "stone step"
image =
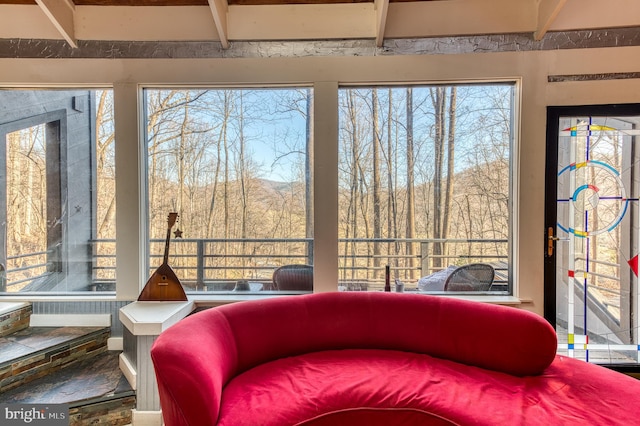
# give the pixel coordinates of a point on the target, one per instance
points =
(35, 352)
(14, 316)
(62, 365)
(94, 390)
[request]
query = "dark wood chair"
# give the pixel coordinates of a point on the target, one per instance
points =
(293, 278)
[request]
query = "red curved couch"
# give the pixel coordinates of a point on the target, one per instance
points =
(379, 359)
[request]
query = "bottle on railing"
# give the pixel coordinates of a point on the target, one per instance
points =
(387, 278)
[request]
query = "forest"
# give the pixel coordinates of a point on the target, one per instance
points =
(418, 164)
(423, 180)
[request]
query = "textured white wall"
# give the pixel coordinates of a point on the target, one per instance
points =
(530, 69)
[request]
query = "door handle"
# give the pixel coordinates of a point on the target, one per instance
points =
(550, 241)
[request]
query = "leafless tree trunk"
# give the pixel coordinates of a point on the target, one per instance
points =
(353, 199)
(392, 210)
(438, 100)
(377, 231)
(222, 137)
(410, 186)
(451, 139)
(243, 182)
(180, 154)
(225, 198)
(363, 191)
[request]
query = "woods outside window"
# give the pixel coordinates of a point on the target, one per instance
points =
(424, 183)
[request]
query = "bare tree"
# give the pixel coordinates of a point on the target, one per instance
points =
(377, 225)
(352, 216)
(438, 99)
(220, 141)
(105, 172)
(392, 208)
(241, 172)
(451, 139)
(411, 217)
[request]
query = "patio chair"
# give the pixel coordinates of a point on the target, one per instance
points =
(293, 278)
(471, 277)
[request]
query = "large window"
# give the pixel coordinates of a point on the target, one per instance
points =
(235, 165)
(425, 188)
(57, 197)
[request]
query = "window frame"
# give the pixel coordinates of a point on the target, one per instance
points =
(513, 290)
(326, 94)
(142, 89)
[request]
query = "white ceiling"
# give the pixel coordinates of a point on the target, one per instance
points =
(379, 20)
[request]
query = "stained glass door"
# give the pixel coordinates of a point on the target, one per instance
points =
(593, 232)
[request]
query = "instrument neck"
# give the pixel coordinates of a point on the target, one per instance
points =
(165, 258)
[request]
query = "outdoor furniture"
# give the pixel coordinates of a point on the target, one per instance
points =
(471, 277)
(378, 359)
(244, 285)
(436, 280)
(293, 278)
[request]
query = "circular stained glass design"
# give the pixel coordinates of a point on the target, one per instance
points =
(600, 204)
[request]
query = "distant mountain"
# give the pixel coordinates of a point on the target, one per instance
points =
(276, 186)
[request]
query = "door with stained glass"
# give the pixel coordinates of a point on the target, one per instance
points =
(592, 231)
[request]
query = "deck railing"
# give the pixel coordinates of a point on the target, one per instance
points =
(23, 269)
(216, 264)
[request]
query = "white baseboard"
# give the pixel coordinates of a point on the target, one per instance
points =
(115, 344)
(128, 371)
(70, 320)
(146, 418)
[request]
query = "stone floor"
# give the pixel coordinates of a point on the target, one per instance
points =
(70, 366)
(94, 390)
(98, 377)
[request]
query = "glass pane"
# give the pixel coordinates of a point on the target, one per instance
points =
(424, 174)
(26, 206)
(104, 246)
(596, 255)
(57, 196)
(235, 165)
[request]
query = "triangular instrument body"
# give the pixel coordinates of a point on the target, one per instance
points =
(164, 285)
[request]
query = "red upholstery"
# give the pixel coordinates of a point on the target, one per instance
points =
(363, 358)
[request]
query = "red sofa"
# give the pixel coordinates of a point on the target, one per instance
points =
(379, 359)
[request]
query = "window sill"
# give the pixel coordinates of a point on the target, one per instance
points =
(495, 300)
(203, 300)
(83, 296)
(151, 318)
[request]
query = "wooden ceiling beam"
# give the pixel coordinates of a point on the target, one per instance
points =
(547, 12)
(60, 13)
(219, 10)
(381, 7)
